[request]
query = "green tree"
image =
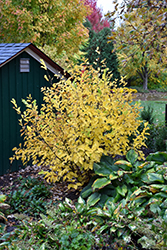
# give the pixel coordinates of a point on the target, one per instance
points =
(98, 50)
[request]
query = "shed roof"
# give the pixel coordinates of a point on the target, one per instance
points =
(8, 51)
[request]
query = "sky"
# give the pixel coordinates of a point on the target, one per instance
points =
(107, 5)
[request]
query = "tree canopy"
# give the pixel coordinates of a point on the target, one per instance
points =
(45, 23)
(136, 60)
(142, 35)
(153, 21)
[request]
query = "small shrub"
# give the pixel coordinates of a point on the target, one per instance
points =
(161, 138)
(147, 114)
(157, 138)
(158, 82)
(37, 186)
(139, 89)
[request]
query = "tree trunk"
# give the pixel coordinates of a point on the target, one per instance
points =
(144, 74)
(145, 81)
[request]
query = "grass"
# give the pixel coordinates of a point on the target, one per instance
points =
(159, 109)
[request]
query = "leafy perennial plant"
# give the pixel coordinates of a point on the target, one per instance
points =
(82, 118)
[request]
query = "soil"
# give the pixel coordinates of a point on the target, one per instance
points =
(11, 181)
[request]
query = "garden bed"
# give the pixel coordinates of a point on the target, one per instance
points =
(13, 182)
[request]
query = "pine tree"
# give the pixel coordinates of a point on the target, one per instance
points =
(98, 49)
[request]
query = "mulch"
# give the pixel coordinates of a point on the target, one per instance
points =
(10, 182)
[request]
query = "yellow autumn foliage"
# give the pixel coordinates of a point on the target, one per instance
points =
(81, 118)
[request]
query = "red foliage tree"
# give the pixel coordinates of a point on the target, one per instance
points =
(96, 18)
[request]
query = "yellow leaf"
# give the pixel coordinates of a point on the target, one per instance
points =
(43, 65)
(45, 76)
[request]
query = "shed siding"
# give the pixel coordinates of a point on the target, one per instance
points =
(14, 84)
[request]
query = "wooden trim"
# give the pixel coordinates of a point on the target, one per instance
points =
(38, 54)
(48, 60)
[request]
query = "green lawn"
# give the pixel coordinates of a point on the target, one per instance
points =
(158, 109)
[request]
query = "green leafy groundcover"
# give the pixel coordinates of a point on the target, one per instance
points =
(30, 197)
(66, 226)
(123, 207)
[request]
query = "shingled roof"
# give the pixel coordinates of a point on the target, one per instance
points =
(8, 51)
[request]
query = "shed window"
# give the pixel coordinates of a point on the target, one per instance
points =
(24, 65)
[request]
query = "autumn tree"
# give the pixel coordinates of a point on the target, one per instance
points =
(57, 24)
(142, 35)
(96, 18)
(136, 61)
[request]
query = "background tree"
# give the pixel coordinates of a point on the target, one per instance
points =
(58, 24)
(134, 60)
(98, 49)
(143, 26)
(99, 29)
(96, 18)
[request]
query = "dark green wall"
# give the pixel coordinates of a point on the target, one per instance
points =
(14, 84)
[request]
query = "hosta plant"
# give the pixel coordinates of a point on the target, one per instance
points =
(135, 181)
(131, 197)
(114, 179)
(82, 118)
(125, 224)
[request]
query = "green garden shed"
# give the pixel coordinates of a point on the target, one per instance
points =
(20, 75)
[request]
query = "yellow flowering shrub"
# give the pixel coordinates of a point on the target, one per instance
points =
(81, 118)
